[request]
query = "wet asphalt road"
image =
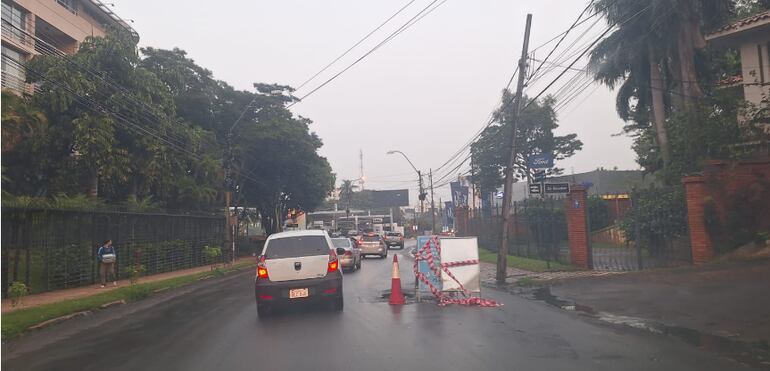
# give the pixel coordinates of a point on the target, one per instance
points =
(213, 326)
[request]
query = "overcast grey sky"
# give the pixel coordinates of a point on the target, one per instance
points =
(426, 92)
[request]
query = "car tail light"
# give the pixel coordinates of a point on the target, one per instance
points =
(359, 242)
(348, 253)
(261, 268)
(333, 262)
(401, 238)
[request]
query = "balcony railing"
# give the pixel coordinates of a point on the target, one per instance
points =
(18, 35)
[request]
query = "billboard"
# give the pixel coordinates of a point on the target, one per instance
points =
(390, 198)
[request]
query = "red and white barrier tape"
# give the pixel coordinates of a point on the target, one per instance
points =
(426, 253)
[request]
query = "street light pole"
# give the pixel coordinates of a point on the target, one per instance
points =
(421, 195)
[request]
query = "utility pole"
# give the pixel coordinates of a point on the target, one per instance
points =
(422, 201)
(230, 183)
(432, 204)
(473, 186)
(502, 252)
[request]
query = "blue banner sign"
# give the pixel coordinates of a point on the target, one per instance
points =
(541, 161)
(459, 194)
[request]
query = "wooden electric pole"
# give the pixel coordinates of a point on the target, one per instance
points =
(502, 253)
(432, 204)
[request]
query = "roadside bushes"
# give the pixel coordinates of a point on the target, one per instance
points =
(659, 216)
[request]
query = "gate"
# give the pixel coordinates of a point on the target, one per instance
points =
(644, 230)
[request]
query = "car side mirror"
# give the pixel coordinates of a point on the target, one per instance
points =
(340, 251)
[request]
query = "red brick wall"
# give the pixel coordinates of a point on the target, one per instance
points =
(727, 179)
(723, 182)
(700, 241)
(577, 228)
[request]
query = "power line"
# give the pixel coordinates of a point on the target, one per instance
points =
(47, 49)
(93, 105)
(564, 36)
(490, 120)
(583, 53)
(354, 45)
(427, 10)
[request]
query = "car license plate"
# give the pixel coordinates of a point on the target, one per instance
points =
(298, 293)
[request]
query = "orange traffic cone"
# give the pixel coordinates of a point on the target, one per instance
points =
(396, 296)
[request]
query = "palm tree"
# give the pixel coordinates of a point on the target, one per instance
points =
(346, 190)
(20, 120)
(654, 72)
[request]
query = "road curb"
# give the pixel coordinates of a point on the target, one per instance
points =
(121, 302)
(112, 304)
(56, 320)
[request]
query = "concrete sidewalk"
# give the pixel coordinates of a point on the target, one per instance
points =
(513, 275)
(86, 291)
(728, 299)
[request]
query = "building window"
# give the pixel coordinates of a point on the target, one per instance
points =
(14, 21)
(13, 76)
(71, 5)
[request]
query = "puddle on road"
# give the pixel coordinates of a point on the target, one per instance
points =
(409, 296)
(756, 354)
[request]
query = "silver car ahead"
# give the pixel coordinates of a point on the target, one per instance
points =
(373, 244)
(351, 259)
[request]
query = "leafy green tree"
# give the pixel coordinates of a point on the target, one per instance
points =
(97, 126)
(157, 132)
(656, 75)
(346, 192)
(535, 135)
(20, 120)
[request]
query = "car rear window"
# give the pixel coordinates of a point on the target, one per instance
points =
(394, 234)
(292, 247)
(341, 242)
(371, 238)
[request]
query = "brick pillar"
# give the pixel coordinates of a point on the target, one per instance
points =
(461, 221)
(700, 241)
(577, 228)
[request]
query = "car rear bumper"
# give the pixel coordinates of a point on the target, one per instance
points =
(372, 250)
(329, 287)
(395, 243)
(347, 262)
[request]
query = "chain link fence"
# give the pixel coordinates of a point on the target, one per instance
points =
(50, 249)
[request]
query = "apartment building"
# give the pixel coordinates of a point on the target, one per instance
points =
(32, 27)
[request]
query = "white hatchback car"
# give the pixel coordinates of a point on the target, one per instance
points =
(296, 267)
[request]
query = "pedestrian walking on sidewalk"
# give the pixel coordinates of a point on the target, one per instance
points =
(107, 258)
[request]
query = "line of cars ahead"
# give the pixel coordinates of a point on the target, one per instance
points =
(306, 266)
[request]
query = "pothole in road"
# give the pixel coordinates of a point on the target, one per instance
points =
(409, 297)
(755, 353)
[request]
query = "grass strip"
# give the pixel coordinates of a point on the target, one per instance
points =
(528, 264)
(16, 322)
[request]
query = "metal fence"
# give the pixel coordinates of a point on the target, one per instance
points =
(537, 229)
(56, 249)
(649, 231)
(652, 233)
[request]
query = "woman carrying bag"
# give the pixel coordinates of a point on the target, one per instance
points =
(107, 258)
